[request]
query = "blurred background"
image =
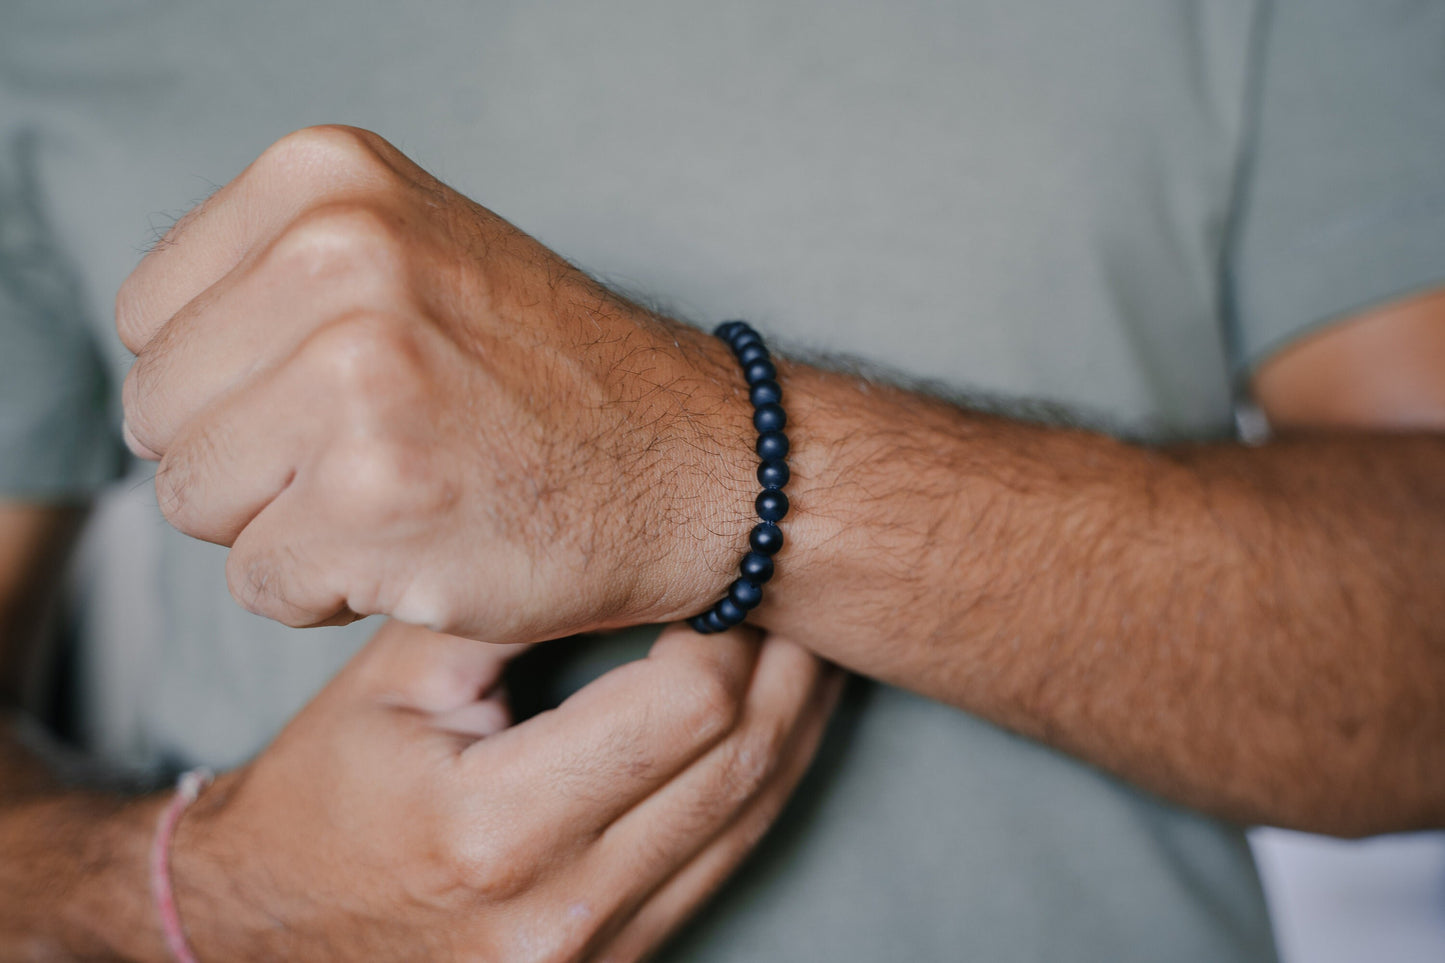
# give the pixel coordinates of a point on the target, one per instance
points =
(1364, 901)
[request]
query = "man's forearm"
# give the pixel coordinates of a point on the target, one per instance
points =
(73, 880)
(471, 388)
(1254, 631)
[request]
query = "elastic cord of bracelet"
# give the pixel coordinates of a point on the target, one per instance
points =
(746, 592)
(188, 787)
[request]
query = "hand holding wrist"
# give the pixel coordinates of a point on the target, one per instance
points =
(394, 820)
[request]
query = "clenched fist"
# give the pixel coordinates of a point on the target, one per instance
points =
(386, 399)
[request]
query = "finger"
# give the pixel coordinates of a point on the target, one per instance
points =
(334, 261)
(357, 526)
(207, 243)
(355, 533)
(621, 737)
(281, 571)
(318, 418)
(665, 910)
(477, 720)
(664, 832)
(135, 446)
(414, 668)
(227, 465)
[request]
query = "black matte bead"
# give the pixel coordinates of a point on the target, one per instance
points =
(756, 567)
(742, 338)
(760, 371)
(772, 446)
(772, 505)
(730, 612)
(745, 593)
(770, 417)
(728, 329)
(765, 393)
(773, 474)
(766, 538)
(753, 353)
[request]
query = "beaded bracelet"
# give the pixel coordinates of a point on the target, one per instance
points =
(746, 592)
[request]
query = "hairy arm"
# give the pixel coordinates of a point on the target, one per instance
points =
(1255, 631)
(72, 863)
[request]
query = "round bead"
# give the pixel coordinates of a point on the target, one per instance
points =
(756, 567)
(751, 354)
(730, 612)
(742, 338)
(745, 593)
(727, 329)
(765, 393)
(770, 417)
(760, 371)
(772, 446)
(773, 474)
(766, 538)
(772, 505)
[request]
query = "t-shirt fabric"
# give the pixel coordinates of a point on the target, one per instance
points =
(1117, 206)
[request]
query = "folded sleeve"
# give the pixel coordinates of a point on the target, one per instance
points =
(57, 435)
(1342, 203)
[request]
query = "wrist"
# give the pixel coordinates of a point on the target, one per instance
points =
(875, 493)
(819, 536)
(222, 910)
(714, 483)
(695, 523)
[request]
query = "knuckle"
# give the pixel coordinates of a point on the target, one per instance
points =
(710, 705)
(369, 356)
(423, 602)
(342, 241)
(382, 481)
(486, 863)
(256, 582)
(174, 487)
(251, 581)
(130, 315)
(324, 150)
(134, 391)
(180, 485)
(753, 758)
(366, 594)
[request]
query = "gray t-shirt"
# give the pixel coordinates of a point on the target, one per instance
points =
(1118, 206)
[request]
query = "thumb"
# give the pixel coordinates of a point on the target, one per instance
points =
(415, 668)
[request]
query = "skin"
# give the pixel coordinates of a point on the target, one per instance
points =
(1383, 371)
(399, 816)
(1255, 632)
(1249, 630)
(1252, 631)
